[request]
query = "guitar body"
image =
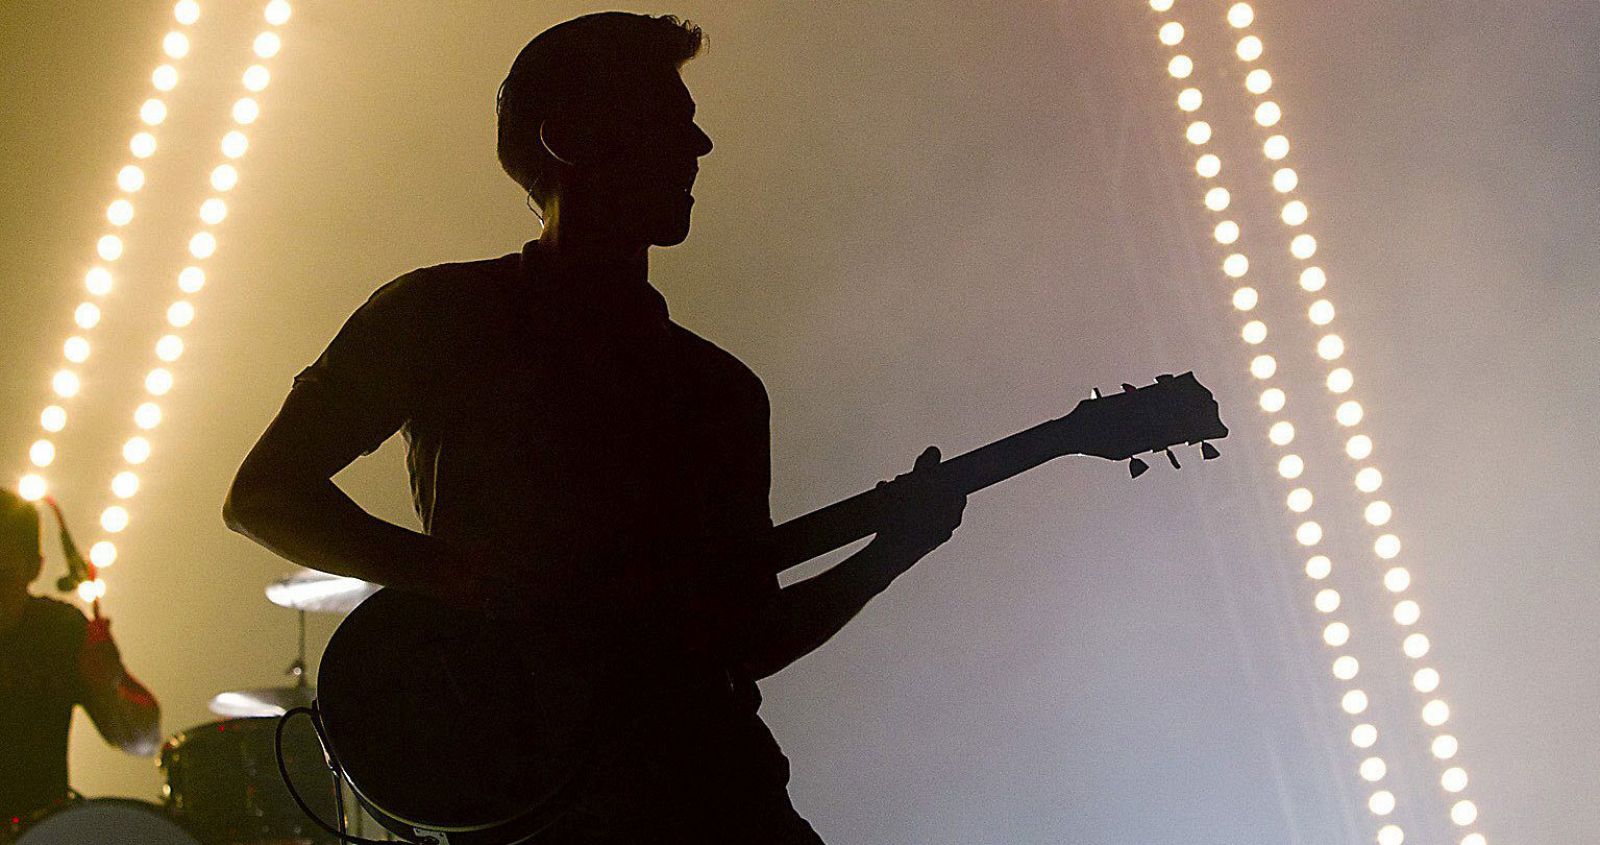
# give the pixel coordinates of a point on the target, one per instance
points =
(445, 722)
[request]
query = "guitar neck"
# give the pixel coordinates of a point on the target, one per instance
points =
(821, 531)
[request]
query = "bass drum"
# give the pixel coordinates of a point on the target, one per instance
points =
(223, 782)
(107, 821)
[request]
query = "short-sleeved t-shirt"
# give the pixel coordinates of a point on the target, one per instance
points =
(559, 420)
(39, 685)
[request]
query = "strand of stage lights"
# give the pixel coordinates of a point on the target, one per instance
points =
(181, 313)
(1349, 413)
(66, 383)
(1291, 466)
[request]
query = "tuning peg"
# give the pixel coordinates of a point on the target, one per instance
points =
(1165, 377)
(1094, 393)
(1172, 459)
(1128, 388)
(1136, 468)
(1208, 451)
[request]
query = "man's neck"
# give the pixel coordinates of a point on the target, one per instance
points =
(591, 258)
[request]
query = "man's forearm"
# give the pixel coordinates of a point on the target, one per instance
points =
(127, 715)
(806, 614)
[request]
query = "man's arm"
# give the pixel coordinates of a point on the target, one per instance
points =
(122, 709)
(806, 614)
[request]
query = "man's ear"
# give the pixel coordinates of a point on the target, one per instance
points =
(562, 139)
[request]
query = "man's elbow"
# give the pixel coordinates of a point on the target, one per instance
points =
(245, 503)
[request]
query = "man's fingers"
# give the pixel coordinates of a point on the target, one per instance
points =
(929, 458)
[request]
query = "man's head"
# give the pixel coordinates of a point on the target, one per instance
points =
(596, 123)
(20, 558)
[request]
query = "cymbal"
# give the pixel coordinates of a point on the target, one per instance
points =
(262, 701)
(319, 592)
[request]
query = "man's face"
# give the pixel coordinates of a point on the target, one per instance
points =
(643, 161)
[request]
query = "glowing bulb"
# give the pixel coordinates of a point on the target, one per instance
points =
(1281, 433)
(1346, 667)
(1245, 299)
(1249, 48)
(1257, 81)
(1318, 567)
(1474, 839)
(246, 110)
(1198, 132)
(1217, 199)
(136, 450)
(1386, 546)
(1189, 99)
(1330, 347)
(1313, 279)
(1291, 466)
(1226, 232)
(187, 12)
(103, 553)
(213, 211)
(1208, 165)
(1407, 612)
(109, 247)
(1381, 803)
(1396, 580)
(114, 519)
(1348, 413)
(1263, 366)
(1254, 332)
(1336, 634)
(153, 112)
(130, 178)
(1309, 534)
(191, 279)
(203, 245)
(277, 12)
(1180, 67)
(119, 212)
(90, 590)
(98, 281)
(76, 349)
(1268, 114)
(1425, 679)
(1354, 701)
(1445, 746)
(32, 487)
(53, 418)
(1363, 736)
(169, 347)
(1320, 313)
(1161, 5)
(1299, 500)
(234, 144)
(1415, 646)
(158, 382)
(86, 315)
(147, 415)
(1275, 147)
(65, 383)
(125, 484)
(1326, 601)
(142, 145)
(180, 314)
(1464, 813)
(1240, 15)
(1373, 769)
(1359, 447)
(1340, 380)
(1303, 246)
(175, 44)
(164, 78)
(267, 44)
(1378, 513)
(42, 453)
(1454, 779)
(1391, 834)
(1284, 179)
(1236, 265)
(224, 177)
(1295, 213)
(1273, 400)
(256, 78)
(1170, 33)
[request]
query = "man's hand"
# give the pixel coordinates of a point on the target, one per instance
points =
(99, 663)
(921, 511)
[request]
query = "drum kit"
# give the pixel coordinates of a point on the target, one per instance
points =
(222, 780)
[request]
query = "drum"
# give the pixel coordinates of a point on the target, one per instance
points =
(222, 782)
(107, 821)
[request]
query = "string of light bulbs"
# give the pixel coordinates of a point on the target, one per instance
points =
(66, 384)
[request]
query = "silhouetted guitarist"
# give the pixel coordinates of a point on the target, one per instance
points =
(571, 449)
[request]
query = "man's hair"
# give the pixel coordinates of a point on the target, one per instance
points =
(572, 69)
(19, 534)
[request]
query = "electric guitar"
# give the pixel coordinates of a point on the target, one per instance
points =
(450, 734)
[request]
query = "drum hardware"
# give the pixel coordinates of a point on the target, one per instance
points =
(106, 820)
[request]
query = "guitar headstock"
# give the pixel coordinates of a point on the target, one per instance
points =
(1174, 411)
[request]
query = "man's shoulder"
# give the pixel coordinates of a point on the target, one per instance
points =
(452, 286)
(56, 616)
(726, 365)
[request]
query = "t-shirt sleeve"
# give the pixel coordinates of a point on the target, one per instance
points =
(368, 379)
